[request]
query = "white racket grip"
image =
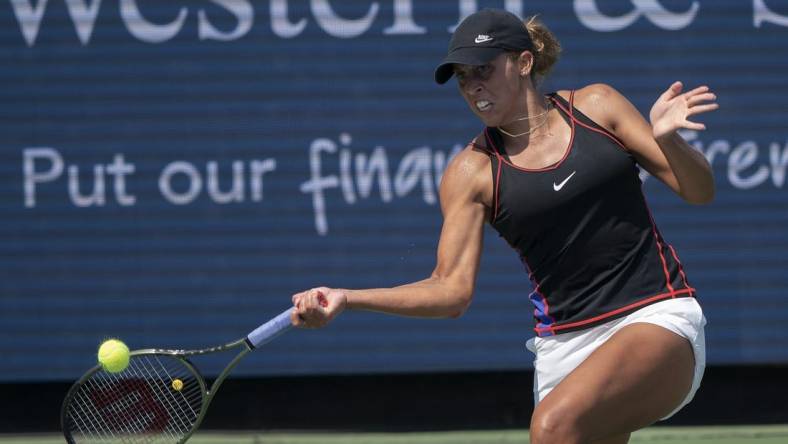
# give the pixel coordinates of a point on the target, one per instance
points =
(270, 329)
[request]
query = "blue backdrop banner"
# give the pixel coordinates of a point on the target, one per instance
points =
(173, 171)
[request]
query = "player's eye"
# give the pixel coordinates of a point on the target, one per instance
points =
(466, 74)
(484, 71)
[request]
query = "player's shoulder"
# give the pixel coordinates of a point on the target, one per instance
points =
(599, 101)
(475, 155)
(470, 167)
(594, 94)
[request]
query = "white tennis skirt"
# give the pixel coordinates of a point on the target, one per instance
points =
(557, 356)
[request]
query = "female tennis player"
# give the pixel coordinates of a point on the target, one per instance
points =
(619, 335)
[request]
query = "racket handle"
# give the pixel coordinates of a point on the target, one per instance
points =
(270, 329)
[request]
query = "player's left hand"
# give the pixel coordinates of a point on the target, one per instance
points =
(672, 109)
(317, 307)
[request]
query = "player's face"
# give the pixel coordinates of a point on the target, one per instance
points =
(492, 91)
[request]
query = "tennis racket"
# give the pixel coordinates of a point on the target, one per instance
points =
(160, 397)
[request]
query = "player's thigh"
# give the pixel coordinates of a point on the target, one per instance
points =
(637, 377)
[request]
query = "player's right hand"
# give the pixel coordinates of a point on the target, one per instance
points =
(317, 307)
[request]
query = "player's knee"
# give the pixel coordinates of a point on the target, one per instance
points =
(554, 424)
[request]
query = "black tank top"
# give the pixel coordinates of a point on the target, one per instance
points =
(583, 229)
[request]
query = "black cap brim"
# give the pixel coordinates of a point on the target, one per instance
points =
(465, 56)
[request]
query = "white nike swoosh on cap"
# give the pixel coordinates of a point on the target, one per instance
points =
(483, 38)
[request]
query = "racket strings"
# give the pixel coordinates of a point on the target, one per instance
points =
(183, 420)
(115, 423)
(120, 420)
(99, 419)
(156, 399)
(136, 426)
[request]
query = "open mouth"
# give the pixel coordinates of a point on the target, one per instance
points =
(483, 105)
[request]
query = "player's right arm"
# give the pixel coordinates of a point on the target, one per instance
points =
(465, 195)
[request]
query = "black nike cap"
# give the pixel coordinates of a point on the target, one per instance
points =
(481, 37)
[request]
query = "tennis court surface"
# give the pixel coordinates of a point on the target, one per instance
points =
(773, 434)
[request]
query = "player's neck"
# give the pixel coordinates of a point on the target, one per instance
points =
(530, 118)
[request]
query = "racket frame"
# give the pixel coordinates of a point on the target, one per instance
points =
(263, 334)
(206, 392)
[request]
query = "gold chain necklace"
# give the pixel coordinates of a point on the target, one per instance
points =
(547, 110)
(527, 118)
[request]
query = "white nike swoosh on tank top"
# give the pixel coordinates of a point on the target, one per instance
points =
(561, 185)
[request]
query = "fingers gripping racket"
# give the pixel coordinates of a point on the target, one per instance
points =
(160, 397)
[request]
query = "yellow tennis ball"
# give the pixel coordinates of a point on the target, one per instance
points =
(177, 385)
(113, 355)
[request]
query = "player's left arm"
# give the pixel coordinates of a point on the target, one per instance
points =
(658, 147)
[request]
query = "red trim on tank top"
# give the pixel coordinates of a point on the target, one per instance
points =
(602, 131)
(497, 177)
(605, 133)
(483, 148)
(497, 187)
(681, 268)
(547, 168)
(640, 303)
(657, 239)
